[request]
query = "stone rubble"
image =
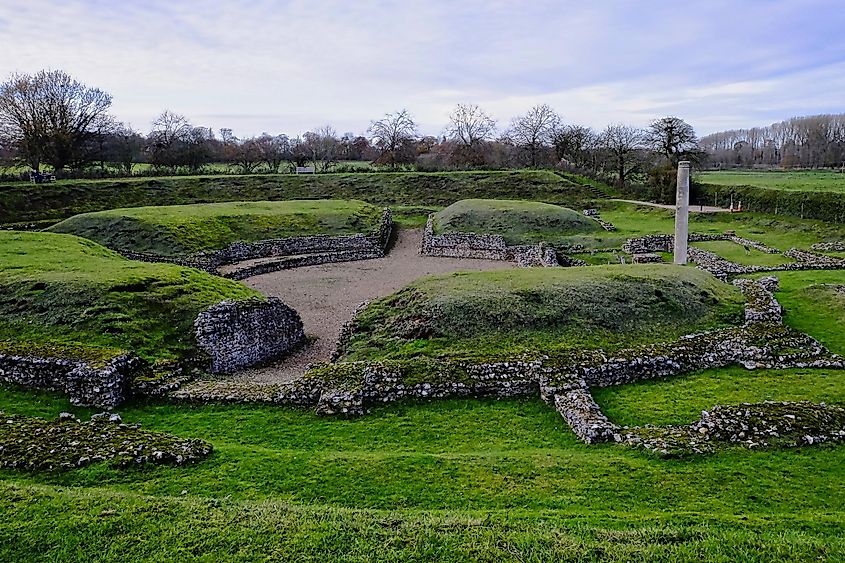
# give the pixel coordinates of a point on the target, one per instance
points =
(66, 443)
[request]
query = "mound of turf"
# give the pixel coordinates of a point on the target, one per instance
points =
(517, 221)
(72, 296)
(178, 230)
(496, 314)
(24, 202)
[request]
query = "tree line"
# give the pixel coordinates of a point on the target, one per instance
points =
(816, 141)
(50, 119)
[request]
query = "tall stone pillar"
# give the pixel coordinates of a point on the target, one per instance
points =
(682, 213)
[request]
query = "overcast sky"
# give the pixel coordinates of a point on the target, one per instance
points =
(255, 65)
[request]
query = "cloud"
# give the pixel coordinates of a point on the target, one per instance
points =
(289, 66)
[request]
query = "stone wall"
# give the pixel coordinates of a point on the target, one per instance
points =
(594, 214)
(303, 251)
(351, 388)
(239, 334)
(485, 247)
(85, 384)
(829, 247)
(666, 243)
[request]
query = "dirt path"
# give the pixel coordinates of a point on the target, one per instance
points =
(327, 295)
(692, 208)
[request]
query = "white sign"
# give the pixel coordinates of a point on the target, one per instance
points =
(304, 169)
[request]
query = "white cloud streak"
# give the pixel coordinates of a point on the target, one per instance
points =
(289, 66)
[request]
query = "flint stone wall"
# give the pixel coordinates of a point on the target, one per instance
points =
(594, 214)
(305, 251)
(485, 247)
(240, 334)
(829, 247)
(666, 243)
(86, 385)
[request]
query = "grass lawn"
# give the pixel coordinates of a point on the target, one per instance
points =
(449, 480)
(62, 290)
(776, 231)
(738, 254)
(495, 314)
(803, 180)
(185, 229)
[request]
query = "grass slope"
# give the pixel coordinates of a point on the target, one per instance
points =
(500, 313)
(27, 202)
(519, 222)
(184, 229)
(447, 481)
(68, 292)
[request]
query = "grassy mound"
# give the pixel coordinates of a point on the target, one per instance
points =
(184, 229)
(519, 222)
(24, 202)
(493, 314)
(66, 293)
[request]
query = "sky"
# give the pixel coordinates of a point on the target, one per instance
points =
(292, 66)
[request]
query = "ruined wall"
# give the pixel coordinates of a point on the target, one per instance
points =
(485, 247)
(104, 386)
(304, 251)
(239, 334)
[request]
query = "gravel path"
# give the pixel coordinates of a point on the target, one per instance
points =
(327, 295)
(692, 208)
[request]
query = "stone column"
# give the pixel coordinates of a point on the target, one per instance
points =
(682, 213)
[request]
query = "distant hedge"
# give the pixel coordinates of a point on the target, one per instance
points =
(823, 205)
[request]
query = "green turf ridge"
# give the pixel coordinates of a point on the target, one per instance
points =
(518, 221)
(186, 229)
(27, 202)
(67, 293)
(495, 314)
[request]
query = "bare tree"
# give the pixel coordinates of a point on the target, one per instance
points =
(393, 135)
(322, 147)
(533, 132)
(673, 138)
(274, 150)
(575, 145)
(470, 128)
(52, 118)
(621, 143)
(245, 155)
(166, 142)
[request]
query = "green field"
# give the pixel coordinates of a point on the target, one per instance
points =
(68, 292)
(805, 180)
(184, 229)
(519, 222)
(501, 314)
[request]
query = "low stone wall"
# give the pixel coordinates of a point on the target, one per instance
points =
(829, 246)
(666, 243)
(485, 247)
(723, 269)
(239, 334)
(86, 385)
(351, 388)
(594, 214)
(647, 258)
(304, 251)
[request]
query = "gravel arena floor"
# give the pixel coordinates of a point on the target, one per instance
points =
(327, 295)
